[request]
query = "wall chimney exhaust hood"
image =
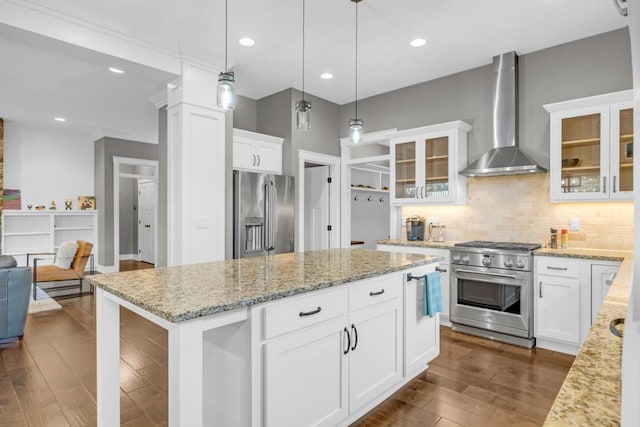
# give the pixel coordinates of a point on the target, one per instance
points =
(505, 158)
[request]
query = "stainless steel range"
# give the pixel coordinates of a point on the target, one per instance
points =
(492, 290)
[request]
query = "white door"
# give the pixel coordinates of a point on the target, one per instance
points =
(146, 221)
(316, 208)
(558, 309)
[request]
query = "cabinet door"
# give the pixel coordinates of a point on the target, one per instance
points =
(421, 333)
(375, 359)
(437, 166)
(558, 308)
(268, 157)
(580, 154)
(621, 168)
(243, 155)
(306, 377)
(406, 185)
(600, 276)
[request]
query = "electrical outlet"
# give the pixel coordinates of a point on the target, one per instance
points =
(574, 224)
(431, 220)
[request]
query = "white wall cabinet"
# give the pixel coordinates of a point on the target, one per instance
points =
(331, 356)
(26, 232)
(257, 152)
(591, 149)
(567, 294)
(425, 163)
(443, 267)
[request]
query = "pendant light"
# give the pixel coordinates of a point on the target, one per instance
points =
(303, 107)
(226, 98)
(355, 125)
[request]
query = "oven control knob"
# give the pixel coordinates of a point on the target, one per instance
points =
(486, 262)
(508, 263)
(466, 259)
(520, 264)
(455, 258)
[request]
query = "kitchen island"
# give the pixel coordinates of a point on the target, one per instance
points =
(247, 336)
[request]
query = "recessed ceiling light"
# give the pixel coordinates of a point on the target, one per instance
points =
(247, 41)
(417, 42)
(326, 76)
(116, 70)
(59, 119)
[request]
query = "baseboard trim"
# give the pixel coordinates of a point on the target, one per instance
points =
(135, 257)
(106, 268)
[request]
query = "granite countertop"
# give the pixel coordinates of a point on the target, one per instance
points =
(186, 292)
(590, 394)
(417, 243)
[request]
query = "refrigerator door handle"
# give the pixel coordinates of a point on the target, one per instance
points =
(271, 217)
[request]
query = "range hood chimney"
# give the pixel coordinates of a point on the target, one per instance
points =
(505, 158)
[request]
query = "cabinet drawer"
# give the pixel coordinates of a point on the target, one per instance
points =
(558, 266)
(304, 311)
(374, 291)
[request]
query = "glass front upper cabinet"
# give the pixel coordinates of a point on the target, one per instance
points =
(591, 148)
(425, 164)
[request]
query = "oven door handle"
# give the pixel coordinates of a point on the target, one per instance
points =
(484, 273)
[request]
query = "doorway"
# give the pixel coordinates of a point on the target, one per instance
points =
(139, 171)
(318, 203)
(146, 220)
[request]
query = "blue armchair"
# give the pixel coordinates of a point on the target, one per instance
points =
(15, 284)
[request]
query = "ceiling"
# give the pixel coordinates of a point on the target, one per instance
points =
(41, 78)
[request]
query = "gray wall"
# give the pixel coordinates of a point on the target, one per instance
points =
(105, 149)
(128, 216)
(274, 118)
(245, 115)
(586, 67)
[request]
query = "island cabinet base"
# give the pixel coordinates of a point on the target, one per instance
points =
(321, 358)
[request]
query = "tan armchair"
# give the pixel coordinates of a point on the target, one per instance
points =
(52, 273)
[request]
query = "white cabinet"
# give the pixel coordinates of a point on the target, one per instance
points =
(425, 163)
(591, 148)
(421, 333)
(257, 152)
(557, 296)
(43, 231)
(443, 268)
(329, 357)
(602, 276)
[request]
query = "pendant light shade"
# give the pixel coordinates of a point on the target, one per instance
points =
(226, 96)
(303, 107)
(355, 130)
(356, 125)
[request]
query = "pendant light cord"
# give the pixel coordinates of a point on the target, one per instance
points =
(226, 31)
(357, 59)
(303, 15)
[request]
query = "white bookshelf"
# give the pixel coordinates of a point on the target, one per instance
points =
(26, 232)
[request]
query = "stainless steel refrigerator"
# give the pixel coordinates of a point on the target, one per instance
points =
(263, 214)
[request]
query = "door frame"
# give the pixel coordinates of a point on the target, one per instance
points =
(334, 163)
(117, 174)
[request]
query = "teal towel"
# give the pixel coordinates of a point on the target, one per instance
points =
(432, 296)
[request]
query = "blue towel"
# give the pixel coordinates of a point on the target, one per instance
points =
(432, 296)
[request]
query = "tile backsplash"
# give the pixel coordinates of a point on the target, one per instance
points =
(517, 208)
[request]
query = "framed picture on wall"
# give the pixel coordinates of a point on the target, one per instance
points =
(86, 203)
(11, 199)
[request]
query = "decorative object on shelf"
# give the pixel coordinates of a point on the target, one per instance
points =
(29, 207)
(226, 96)
(628, 150)
(68, 204)
(570, 163)
(41, 208)
(356, 124)
(303, 107)
(52, 206)
(11, 200)
(86, 203)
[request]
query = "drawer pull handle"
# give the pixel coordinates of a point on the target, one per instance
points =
(355, 337)
(310, 313)
(346, 333)
(373, 294)
(612, 327)
(441, 270)
(557, 268)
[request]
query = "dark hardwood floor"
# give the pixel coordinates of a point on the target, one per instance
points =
(48, 379)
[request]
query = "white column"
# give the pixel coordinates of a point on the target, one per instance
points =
(195, 170)
(108, 360)
(185, 375)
